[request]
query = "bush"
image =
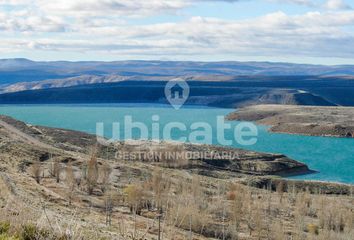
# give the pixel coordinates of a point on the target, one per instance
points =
(134, 195)
(231, 195)
(27, 232)
(4, 227)
(6, 237)
(312, 228)
(31, 232)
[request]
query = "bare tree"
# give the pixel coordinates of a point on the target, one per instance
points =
(57, 170)
(51, 168)
(108, 205)
(70, 181)
(36, 170)
(105, 174)
(280, 190)
(92, 172)
(157, 187)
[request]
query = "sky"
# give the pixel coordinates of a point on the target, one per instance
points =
(299, 31)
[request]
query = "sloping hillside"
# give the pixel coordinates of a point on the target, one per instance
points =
(55, 184)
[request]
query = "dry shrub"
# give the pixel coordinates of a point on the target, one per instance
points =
(255, 220)
(196, 189)
(135, 197)
(332, 235)
(349, 217)
(237, 205)
(231, 195)
(278, 233)
(303, 204)
(92, 172)
(186, 209)
(188, 217)
(194, 211)
(333, 217)
(312, 229)
(4, 227)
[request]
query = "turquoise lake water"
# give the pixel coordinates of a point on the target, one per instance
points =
(333, 158)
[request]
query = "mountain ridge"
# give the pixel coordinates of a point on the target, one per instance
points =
(173, 68)
(222, 84)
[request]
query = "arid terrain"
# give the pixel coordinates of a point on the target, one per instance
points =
(60, 184)
(306, 120)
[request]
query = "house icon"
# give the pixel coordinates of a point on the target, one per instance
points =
(177, 92)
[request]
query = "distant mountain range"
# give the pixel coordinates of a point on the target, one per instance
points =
(225, 84)
(24, 70)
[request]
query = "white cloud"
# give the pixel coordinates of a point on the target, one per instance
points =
(93, 26)
(28, 21)
(324, 4)
(309, 3)
(121, 8)
(14, 2)
(336, 5)
(311, 34)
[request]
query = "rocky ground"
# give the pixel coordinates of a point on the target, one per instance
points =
(306, 120)
(59, 184)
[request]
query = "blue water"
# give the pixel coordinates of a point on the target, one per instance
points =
(333, 158)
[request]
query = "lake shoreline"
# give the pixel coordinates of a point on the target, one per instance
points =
(303, 120)
(230, 159)
(319, 153)
(69, 141)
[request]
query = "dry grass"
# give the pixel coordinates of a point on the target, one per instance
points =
(129, 200)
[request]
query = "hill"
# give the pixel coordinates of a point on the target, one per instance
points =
(19, 70)
(219, 84)
(57, 184)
